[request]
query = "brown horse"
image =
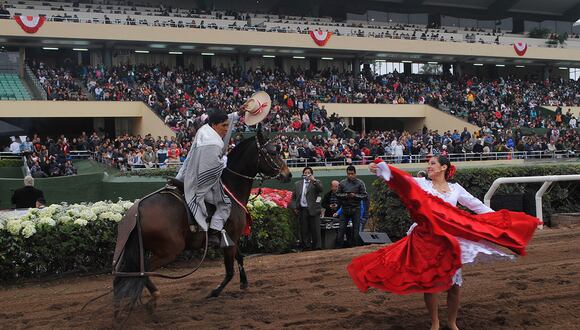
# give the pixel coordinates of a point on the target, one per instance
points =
(165, 231)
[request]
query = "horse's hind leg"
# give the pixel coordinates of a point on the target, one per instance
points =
(243, 277)
(155, 263)
(229, 254)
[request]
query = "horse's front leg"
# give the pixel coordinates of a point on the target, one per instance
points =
(229, 254)
(243, 277)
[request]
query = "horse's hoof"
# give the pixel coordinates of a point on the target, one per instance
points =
(243, 286)
(214, 293)
(151, 306)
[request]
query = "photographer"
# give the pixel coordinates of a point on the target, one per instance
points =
(351, 191)
(306, 204)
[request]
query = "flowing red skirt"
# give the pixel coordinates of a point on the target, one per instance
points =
(427, 259)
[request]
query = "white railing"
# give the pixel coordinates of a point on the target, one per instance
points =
(547, 181)
(125, 165)
(9, 155)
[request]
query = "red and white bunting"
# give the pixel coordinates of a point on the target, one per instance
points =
(320, 37)
(30, 24)
(521, 48)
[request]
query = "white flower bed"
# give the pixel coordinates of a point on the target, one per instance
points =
(61, 214)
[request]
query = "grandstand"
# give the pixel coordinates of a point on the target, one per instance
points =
(410, 65)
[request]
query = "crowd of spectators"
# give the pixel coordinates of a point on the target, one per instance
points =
(181, 96)
(59, 83)
(337, 146)
(45, 157)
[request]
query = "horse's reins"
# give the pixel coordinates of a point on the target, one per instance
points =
(271, 163)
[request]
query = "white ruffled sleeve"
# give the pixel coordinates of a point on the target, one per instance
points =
(468, 200)
(383, 171)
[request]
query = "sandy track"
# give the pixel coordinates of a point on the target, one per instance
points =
(312, 290)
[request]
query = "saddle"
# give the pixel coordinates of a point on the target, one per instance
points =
(175, 184)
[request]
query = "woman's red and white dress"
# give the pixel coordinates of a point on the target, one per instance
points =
(430, 257)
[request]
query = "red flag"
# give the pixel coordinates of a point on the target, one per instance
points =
(30, 24)
(520, 47)
(320, 37)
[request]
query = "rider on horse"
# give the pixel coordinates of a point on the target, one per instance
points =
(203, 168)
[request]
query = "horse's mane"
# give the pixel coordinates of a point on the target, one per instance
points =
(241, 148)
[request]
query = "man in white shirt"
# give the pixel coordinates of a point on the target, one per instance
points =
(15, 145)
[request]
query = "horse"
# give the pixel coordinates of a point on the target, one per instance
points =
(164, 231)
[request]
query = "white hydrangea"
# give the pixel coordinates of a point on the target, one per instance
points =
(117, 208)
(99, 209)
(47, 220)
(116, 217)
(65, 219)
(80, 222)
(258, 203)
(88, 215)
(127, 205)
(1, 225)
(13, 226)
(46, 212)
(28, 230)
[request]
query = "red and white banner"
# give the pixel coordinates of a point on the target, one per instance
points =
(320, 37)
(521, 48)
(30, 24)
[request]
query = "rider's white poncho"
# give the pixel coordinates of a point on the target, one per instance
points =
(201, 174)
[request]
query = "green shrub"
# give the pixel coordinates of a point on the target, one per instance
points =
(390, 216)
(10, 162)
(273, 233)
(57, 250)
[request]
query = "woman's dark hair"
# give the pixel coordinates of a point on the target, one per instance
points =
(216, 116)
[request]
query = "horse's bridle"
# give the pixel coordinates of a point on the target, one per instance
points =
(263, 155)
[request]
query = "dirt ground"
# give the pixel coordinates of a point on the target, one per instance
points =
(311, 290)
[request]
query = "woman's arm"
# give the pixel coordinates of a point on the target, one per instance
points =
(468, 200)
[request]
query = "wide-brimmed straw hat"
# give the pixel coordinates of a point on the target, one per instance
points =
(258, 106)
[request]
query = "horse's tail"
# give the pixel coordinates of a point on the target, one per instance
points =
(128, 289)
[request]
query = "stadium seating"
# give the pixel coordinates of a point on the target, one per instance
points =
(12, 88)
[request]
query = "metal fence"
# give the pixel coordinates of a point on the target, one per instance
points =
(124, 165)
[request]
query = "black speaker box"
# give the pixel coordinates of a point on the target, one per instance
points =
(373, 237)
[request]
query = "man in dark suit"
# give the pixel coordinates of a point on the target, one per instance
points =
(306, 204)
(27, 196)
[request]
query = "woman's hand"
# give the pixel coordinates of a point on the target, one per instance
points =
(373, 168)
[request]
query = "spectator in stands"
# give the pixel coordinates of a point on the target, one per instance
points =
(4, 14)
(27, 196)
(15, 145)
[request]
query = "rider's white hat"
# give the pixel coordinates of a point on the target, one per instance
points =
(258, 106)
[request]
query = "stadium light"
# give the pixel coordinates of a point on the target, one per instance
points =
(432, 63)
(327, 58)
(299, 57)
(562, 68)
(520, 66)
(175, 53)
(142, 51)
(49, 48)
(269, 56)
(477, 64)
(405, 61)
(500, 65)
(81, 49)
(207, 54)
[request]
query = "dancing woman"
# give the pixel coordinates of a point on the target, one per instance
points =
(441, 240)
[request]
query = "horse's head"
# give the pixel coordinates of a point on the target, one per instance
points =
(270, 161)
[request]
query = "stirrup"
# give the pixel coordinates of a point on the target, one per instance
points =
(226, 241)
